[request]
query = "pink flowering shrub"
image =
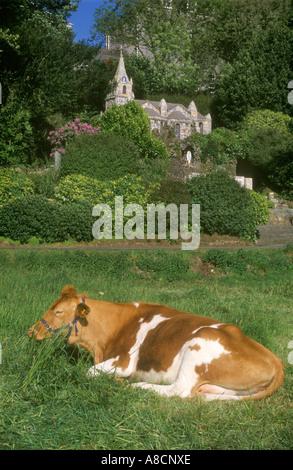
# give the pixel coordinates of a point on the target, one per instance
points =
(60, 137)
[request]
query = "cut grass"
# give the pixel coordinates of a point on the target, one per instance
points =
(48, 402)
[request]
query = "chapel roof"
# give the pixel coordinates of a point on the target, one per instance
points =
(177, 114)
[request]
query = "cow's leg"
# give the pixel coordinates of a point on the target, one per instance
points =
(120, 366)
(196, 357)
(165, 390)
(185, 383)
(110, 367)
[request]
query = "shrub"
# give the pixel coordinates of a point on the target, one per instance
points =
(13, 184)
(75, 188)
(258, 208)
(225, 206)
(60, 137)
(75, 222)
(271, 153)
(265, 145)
(222, 145)
(48, 221)
(44, 182)
(132, 122)
(102, 156)
(172, 192)
(266, 119)
(281, 170)
(17, 140)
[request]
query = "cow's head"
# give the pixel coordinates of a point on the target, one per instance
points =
(67, 314)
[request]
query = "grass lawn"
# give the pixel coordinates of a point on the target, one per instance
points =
(48, 402)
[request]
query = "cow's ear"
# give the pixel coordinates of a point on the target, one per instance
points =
(82, 310)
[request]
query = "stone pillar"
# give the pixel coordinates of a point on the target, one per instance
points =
(249, 183)
(57, 160)
(193, 111)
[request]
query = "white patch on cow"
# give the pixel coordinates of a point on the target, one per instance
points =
(136, 304)
(108, 366)
(182, 373)
(171, 374)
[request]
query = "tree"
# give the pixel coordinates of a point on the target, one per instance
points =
(44, 71)
(165, 33)
(258, 79)
(192, 44)
(131, 120)
(269, 148)
(17, 142)
(229, 25)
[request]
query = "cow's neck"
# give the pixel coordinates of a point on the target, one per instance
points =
(104, 321)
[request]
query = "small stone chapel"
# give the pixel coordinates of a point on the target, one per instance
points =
(175, 119)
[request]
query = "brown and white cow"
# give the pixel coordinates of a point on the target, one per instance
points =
(194, 355)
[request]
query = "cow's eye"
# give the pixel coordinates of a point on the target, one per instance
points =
(58, 313)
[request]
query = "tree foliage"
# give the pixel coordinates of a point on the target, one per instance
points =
(258, 78)
(132, 121)
(154, 27)
(43, 71)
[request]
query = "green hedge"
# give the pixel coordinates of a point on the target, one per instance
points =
(75, 188)
(48, 221)
(100, 156)
(227, 208)
(13, 184)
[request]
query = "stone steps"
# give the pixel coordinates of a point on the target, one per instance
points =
(274, 235)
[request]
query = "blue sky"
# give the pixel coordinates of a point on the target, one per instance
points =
(84, 17)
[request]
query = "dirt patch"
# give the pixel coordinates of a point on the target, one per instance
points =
(205, 268)
(223, 240)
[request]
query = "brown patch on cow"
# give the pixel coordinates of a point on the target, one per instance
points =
(195, 347)
(122, 362)
(121, 343)
(164, 342)
(202, 369)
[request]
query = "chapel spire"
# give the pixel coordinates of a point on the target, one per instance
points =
(121, 71)
(121, 91)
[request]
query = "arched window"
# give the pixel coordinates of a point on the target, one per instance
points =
(124, 90)
(177, 130)
(201, 127)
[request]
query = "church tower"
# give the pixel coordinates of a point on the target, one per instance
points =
(121, 91)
